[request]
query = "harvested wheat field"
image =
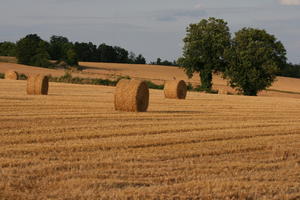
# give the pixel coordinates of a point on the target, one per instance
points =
(72, 144)
(283, 87)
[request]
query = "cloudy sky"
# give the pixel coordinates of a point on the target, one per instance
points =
(153, 28)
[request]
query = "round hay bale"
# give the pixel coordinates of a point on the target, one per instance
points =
(30, 84)
(175, 89)
(131, 96)
(41, 85)
(11, 75)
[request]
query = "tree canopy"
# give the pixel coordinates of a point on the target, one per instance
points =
(254, 59)
(204, 47)
(32, 50)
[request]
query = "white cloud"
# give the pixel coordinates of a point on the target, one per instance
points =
(290, 2)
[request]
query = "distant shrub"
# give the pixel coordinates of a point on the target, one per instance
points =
(106, 82)
(190, 87)
(201, 89)
(152, 85)
(123, 77)
(23, 77)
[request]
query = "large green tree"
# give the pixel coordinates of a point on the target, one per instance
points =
(254, 58)
(204, 47)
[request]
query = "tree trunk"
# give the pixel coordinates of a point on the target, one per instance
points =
(206, 79)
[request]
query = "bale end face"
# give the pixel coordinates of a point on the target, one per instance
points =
(11, 75)
(37, 85)
(41, 85)
(131, 96)
(175, 89)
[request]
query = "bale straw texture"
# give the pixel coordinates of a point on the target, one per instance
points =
(37, 85)
(41, 85)
(30, 84)
(11, 75)
(175, 89)
(131, 96)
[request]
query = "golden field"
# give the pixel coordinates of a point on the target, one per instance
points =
(71, 144)
(286, 87)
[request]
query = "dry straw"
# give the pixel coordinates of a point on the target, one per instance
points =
(30, 84)
(131, 96)
(11, 75)
(222, 91)
(37, 84)
(175, 89)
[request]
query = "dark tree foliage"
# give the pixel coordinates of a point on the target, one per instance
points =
(121, 55)
(7, 49)
(204, 47)
(27, 48)
(59, 46)
(32, 50)
(254, 59)
(133, 59)
(290, 70)
(71, 57)
(41, 58)
(86, 51)
(107, 53)
(140, 60)
(164, 62)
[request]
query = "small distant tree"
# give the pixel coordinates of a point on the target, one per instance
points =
(158, 61)
(72, 58)
(204, 47)
(254, 59)
(140, 59)
(131, 57)
(165, 62)
(7, 49)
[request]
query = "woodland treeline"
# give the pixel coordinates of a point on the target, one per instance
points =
(32, 50)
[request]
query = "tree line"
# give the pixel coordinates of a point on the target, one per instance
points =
(32, 50)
